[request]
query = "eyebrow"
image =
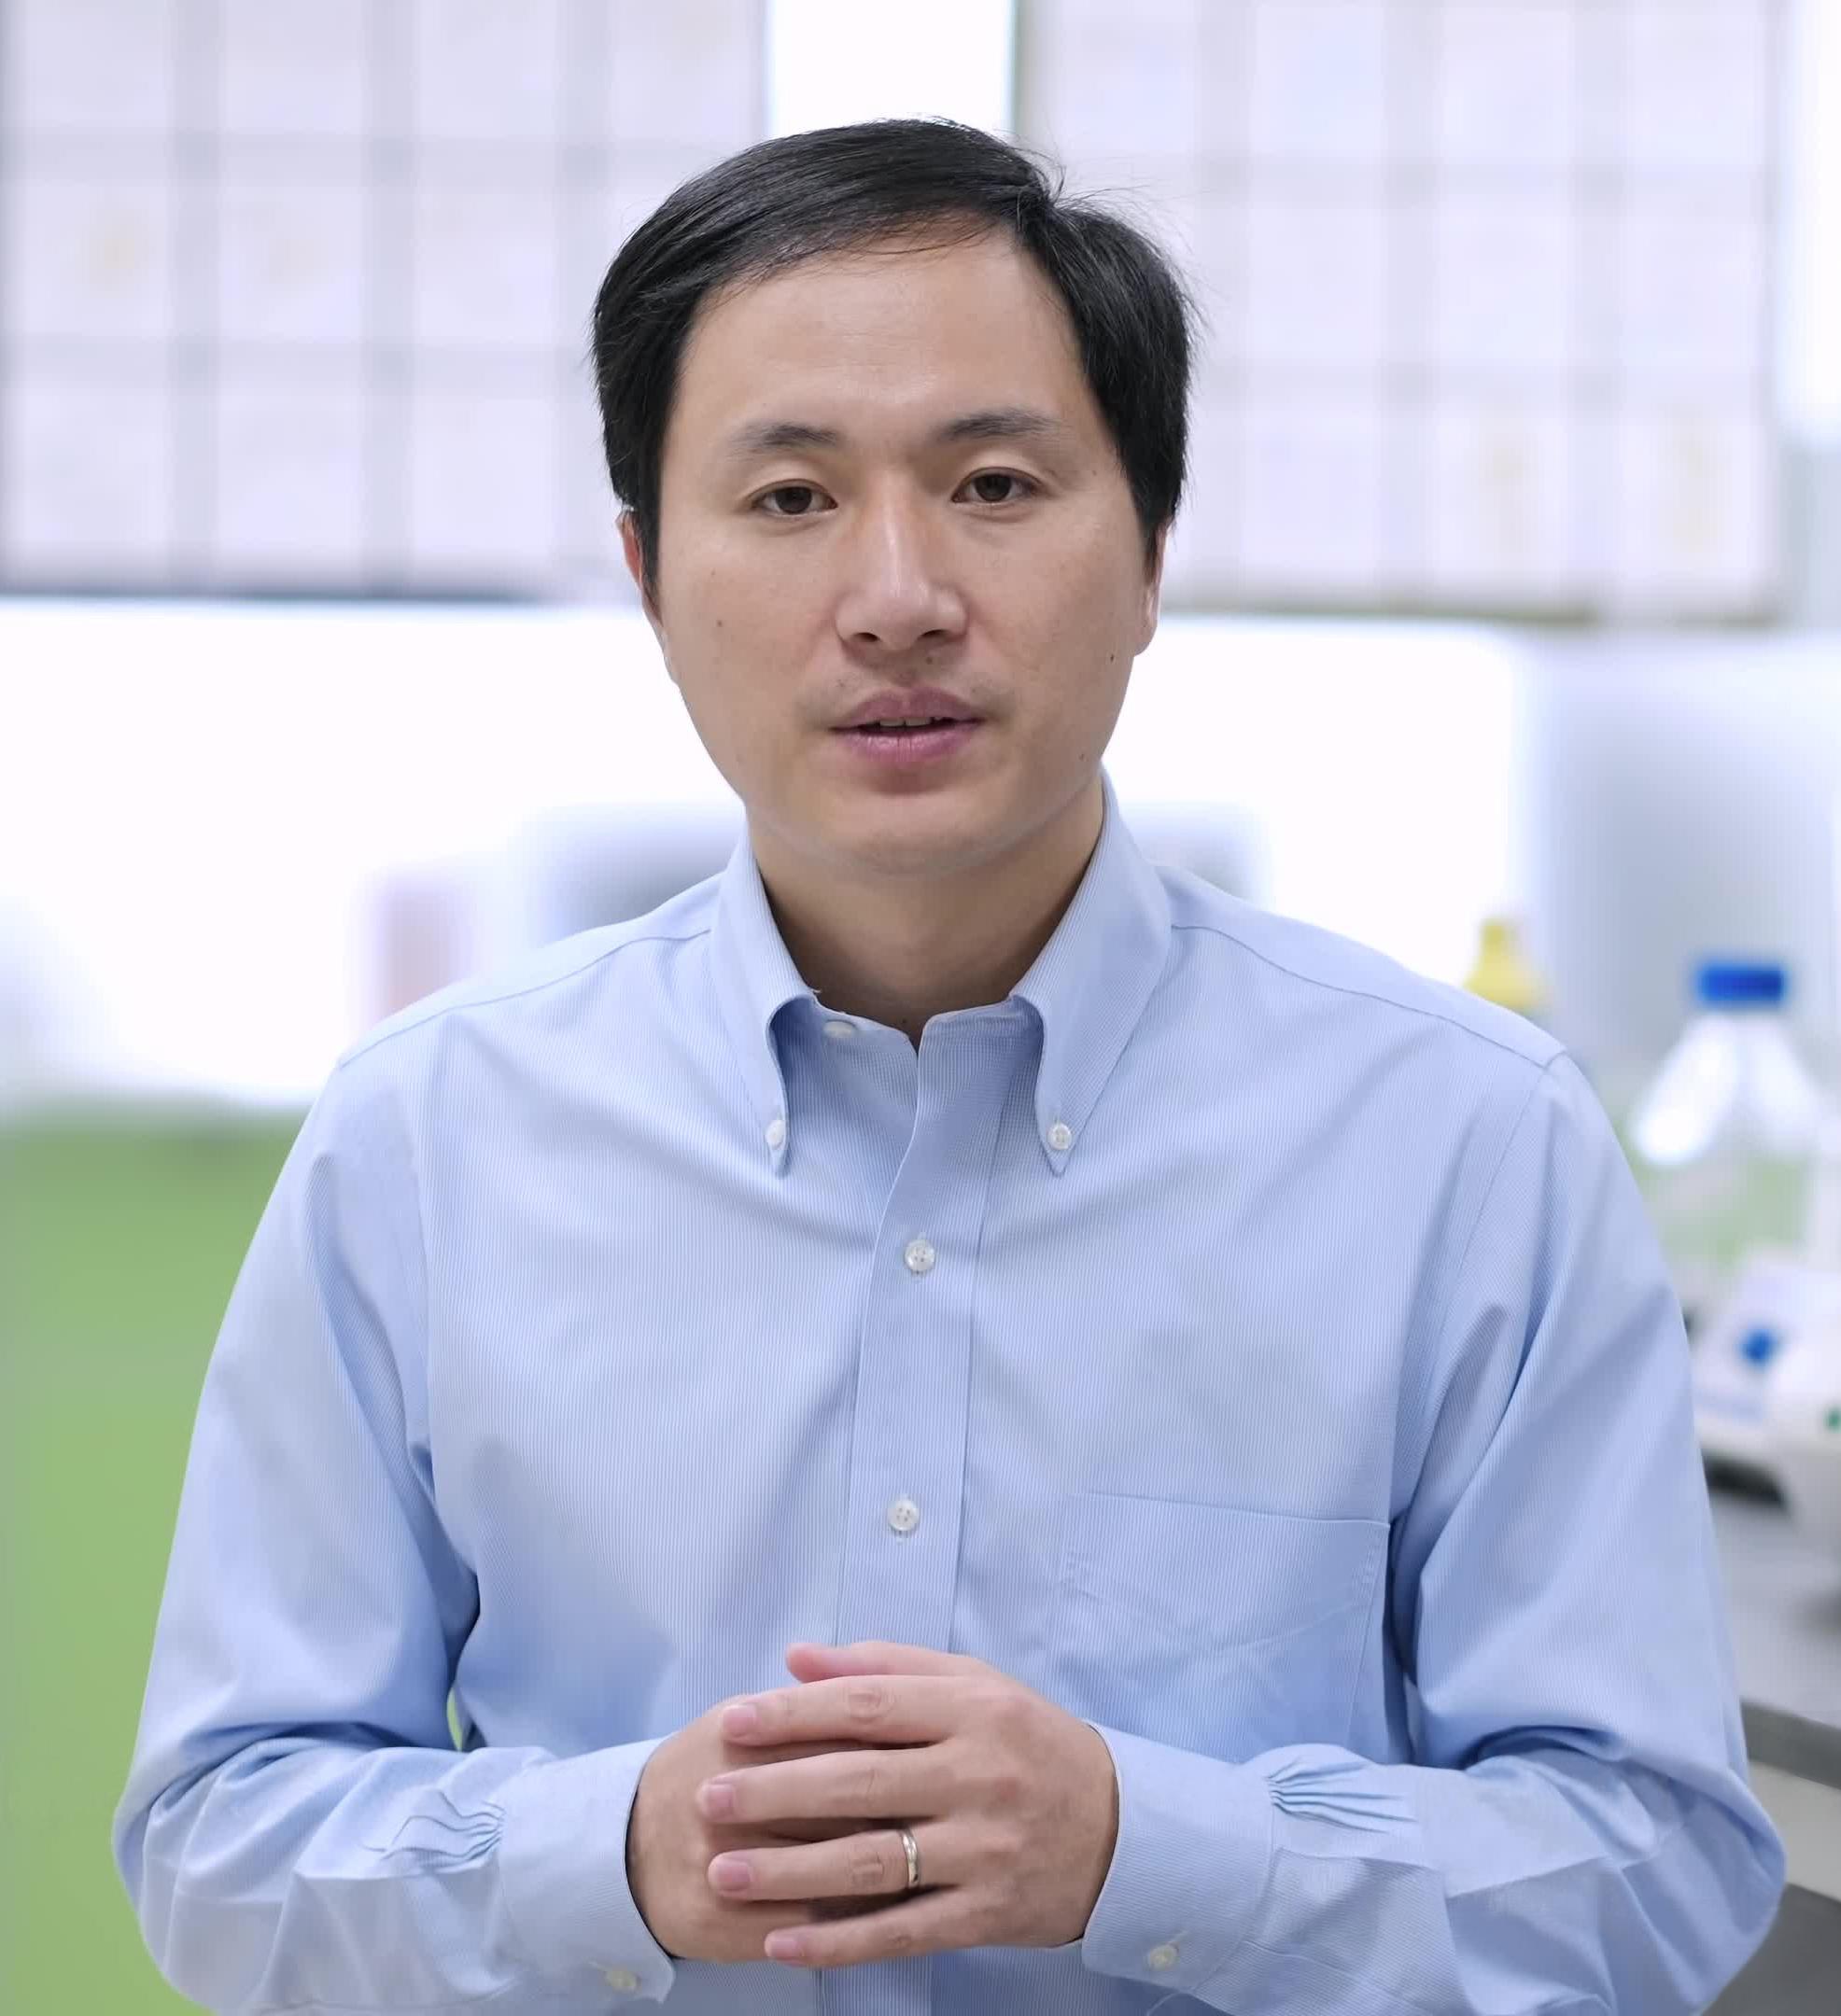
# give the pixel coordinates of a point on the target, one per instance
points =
(992, 423)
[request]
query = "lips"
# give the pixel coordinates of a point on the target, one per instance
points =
(907, 751)
(913, 725)
(917, 703)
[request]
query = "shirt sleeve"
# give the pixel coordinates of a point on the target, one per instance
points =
(298, 1830)
(1577, 1831)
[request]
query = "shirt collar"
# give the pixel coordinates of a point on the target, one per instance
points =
(1088, 986)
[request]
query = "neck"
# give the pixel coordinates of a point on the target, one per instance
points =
(899, 950)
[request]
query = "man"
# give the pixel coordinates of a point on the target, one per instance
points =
(975, 1424)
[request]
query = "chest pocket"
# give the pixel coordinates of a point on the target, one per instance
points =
(1219, 1631)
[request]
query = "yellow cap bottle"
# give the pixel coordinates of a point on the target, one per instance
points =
(1504, 974)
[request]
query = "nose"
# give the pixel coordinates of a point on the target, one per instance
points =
(896, 591)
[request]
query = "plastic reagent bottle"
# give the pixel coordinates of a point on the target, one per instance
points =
(1503, 972)
(1724, 1139)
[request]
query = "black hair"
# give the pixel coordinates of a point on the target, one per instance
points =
(927, 180)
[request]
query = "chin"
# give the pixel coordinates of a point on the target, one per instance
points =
(909, 858)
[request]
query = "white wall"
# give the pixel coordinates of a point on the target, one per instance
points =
(198, 802)
(1681, 795)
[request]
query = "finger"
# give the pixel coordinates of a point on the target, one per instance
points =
(735, 1756)
(877, 1655)
(932, 1922)
(864, 1785)
(871, 1708)
(806, 1830)
(869, 1864)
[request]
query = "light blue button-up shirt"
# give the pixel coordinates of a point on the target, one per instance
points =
(1256, 1349)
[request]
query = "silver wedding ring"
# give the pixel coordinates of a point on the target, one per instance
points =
(913, 1852)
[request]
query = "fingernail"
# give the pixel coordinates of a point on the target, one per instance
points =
(731, 1872)
(785, 1946)
(717, 1798)
(743, 1719)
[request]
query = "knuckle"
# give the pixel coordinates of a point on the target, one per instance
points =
(1004, 1924)
(1006, 1785)
(899, 1939)
(1009, 1866)
(868, 1869)
(1011, 1710)
(991, 1917)
(867, 1701)
(870, 1780)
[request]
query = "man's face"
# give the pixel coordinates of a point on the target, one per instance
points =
(889, 536)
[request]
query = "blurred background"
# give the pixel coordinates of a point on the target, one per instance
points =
(1503, 623)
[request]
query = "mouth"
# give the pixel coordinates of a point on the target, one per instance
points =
(911, 743)
(910, 726)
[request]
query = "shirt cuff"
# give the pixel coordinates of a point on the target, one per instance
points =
(562, 1859)
(1188, 1869)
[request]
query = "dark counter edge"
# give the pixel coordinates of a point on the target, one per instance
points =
(1793, 1744)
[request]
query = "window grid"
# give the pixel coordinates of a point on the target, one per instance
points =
(149, 440)
(1610, 452)
(160, 431)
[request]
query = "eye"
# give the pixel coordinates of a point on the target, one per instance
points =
(791, 501)
(987, 488)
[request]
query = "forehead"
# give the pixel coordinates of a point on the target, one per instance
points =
(896, 324)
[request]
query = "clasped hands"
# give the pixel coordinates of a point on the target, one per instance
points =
(766, 1828)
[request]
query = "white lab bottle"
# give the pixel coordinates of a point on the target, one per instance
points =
(1802, 1387)
(1724, 1139)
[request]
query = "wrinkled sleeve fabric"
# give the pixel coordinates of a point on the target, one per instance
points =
(1577, 1831)
(298, 1831)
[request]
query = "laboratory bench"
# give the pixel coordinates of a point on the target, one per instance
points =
(1783, 1600)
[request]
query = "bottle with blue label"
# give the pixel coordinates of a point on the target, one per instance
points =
(1768, 1357)
(1725, 1140)
(1802, 1388)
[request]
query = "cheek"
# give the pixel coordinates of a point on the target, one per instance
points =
(1095, 580)
(706, 671)
(1082, 631)
(742, 680)
(746, 615)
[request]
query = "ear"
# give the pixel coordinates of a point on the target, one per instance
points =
(1153, 590)
(629, 548)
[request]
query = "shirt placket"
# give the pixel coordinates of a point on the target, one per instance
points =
(901, 1541)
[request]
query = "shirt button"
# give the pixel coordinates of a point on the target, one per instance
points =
(776, 1132)
(1061, 1137)
(919, 1256)
(623, 1979)
(904, 1515)
(841, 1030)
(1161, 1957)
